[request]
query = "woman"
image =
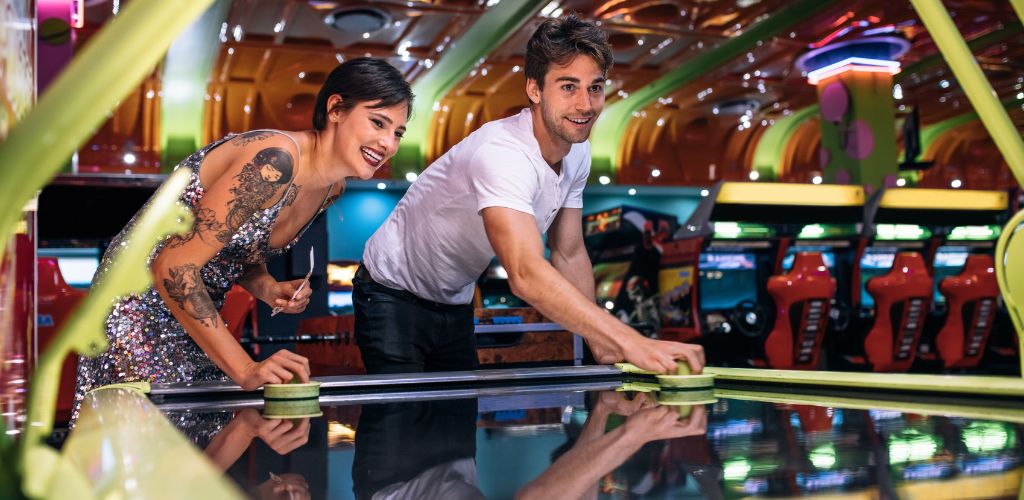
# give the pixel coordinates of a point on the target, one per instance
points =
(252, 195)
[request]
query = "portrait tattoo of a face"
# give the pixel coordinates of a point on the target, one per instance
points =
(257, 183)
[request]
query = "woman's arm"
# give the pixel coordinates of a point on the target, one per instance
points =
(257, 180)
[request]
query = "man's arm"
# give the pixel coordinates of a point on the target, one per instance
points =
(516, 241)
(568, 253)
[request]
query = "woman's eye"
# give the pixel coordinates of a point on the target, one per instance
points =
(378, 123)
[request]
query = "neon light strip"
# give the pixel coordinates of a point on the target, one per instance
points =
(863, 61)
(816, 76)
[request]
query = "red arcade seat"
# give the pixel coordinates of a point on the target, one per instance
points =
(57, 300)
(802, 299)
(902, 299)
(972, 298)
(238, 304)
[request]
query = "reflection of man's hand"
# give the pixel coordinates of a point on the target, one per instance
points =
(663, 422)
(623, 403)
(290, 486)
(282, 436)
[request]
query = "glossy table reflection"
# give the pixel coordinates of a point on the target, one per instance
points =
(584, 439)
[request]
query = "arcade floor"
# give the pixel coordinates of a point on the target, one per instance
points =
(574, 432)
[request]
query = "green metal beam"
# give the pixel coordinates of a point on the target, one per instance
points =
(610, 128)
(771, 145)
(983, 42)
(186, 71)
(978, 90)
(1009, 257)
(1018, 6)
(493, 28)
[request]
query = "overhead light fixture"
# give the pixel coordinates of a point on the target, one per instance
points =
(856, 64)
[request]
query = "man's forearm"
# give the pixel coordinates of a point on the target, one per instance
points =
(580, 468)
(544, 288)
(578, 270)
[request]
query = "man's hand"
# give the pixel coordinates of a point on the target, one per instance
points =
(663, 422)
(619, 403)
(658, 356)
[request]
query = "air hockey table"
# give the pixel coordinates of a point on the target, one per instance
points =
(562, 432)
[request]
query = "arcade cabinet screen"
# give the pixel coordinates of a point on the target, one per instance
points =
(675, 287)
(726, 279)
(339, 286)
(949, 261)
(340, 302)
(77, 265)
(827, 256)
(872, 264)
(608, 276)
(602, 222)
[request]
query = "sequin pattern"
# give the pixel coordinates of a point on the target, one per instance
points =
(146, 342)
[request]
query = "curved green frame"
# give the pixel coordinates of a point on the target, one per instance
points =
(771, 145)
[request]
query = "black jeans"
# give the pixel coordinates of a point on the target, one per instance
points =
(398, 332)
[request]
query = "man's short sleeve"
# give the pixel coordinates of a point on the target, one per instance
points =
(575, 197)
(503, 176)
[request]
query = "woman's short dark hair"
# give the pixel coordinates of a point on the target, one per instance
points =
(360, 80)
(558, 40)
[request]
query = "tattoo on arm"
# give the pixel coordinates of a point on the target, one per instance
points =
(257, 183)
(249, 138)
(291, 195)
(185, 286)
(205, 224)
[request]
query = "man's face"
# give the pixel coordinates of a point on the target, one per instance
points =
(572, 98)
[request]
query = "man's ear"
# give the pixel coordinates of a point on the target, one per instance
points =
(533, 90)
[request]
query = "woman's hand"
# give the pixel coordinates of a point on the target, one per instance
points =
(279, 368)
(279, 295)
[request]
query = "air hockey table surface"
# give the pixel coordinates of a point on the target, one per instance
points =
(534, 433)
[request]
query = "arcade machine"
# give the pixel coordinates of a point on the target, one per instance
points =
(767, 269)
(509, 332)
(928, 290)
(493, 290)
(625, 246)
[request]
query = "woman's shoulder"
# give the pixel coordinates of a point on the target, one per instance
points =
(266, 138)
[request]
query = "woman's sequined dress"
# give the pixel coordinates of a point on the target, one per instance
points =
(146, 342)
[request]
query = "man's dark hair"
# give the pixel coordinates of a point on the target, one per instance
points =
(360, 80)
(558, 40)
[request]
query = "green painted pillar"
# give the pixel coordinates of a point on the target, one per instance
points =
(187, 69)
(858, 133)
(487, 33)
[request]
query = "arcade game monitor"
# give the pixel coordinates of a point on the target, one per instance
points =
(929, 299)
(339, 285)
(770, 256)
(494, 290)
(625, 247)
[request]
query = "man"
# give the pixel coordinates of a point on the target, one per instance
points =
(496, 192)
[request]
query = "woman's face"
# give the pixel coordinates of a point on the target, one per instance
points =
(367, 137)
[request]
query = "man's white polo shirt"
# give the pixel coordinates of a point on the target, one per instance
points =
(434, 244)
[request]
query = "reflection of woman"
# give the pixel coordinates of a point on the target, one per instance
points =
(252, 196)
